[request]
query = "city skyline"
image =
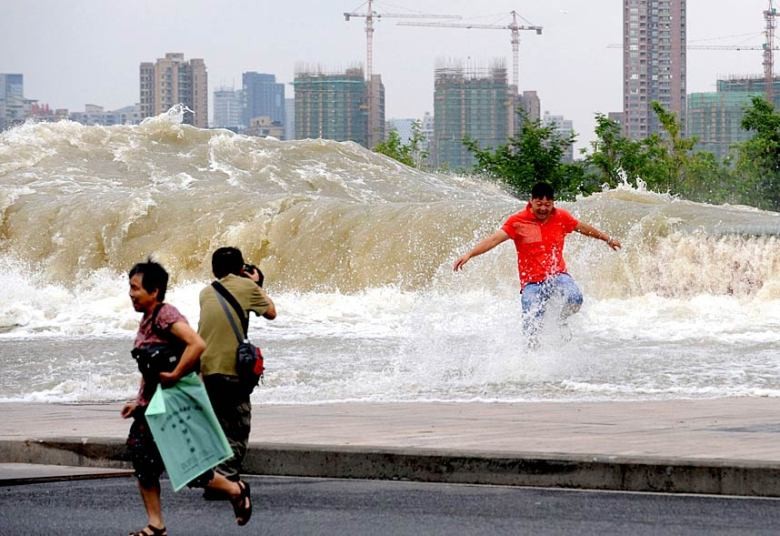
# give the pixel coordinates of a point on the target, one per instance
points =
(89, 52)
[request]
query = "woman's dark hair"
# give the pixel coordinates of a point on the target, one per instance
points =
(227, 260)
(153, 277)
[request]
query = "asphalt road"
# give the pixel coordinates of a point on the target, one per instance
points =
(305, 506)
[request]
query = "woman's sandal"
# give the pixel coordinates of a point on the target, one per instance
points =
(242, 505)
(146, 531)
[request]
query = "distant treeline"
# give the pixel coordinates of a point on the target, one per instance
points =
(665, 161)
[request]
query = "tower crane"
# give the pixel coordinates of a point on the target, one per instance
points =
(514, 27)
(370, 15)
(769, 47)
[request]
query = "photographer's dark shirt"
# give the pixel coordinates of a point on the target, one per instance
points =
(166, 317)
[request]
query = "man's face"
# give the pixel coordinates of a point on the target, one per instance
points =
(142, 300)
(542, 208)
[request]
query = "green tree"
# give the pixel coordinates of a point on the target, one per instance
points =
(665, 161)
(410, 153)
(612, 153)
(758, 160)
(532, 155)
(674, 152)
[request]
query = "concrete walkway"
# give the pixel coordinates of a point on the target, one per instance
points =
(721, 446)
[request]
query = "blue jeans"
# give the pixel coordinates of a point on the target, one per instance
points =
(536, 296)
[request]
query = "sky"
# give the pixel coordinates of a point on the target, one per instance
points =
(77, 52)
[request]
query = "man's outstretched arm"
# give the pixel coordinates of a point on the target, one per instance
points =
(589, 230)
(485, 245)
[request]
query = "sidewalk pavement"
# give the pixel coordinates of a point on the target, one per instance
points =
(720, 446)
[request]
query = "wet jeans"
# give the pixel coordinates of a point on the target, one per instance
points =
(536, 296)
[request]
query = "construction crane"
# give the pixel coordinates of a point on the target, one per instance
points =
(370, 15)
(769, 47)
(514, 27)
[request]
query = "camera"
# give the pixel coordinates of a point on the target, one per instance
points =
(154, 359)
(249, 268)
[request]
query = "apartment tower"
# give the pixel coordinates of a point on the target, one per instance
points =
(172, 80)
(653, 63)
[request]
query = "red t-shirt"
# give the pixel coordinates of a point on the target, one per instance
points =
(539, 244)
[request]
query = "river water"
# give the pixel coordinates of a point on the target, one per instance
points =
(357, 252)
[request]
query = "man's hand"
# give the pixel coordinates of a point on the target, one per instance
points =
(463, 259)
(613, 243)
(128, 409)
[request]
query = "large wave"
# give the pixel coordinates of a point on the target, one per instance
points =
(319, 214)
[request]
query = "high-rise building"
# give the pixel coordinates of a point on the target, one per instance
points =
(12, 102)
(263, 97)
(172, 80)
(228, 108)
(376, 113)
(335, 106)
(715, 119)
(531, 105)
(564, 128)
(289, 119)
(469, 103)
(654, 63)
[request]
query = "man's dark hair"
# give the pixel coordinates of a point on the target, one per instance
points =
(227, 260)
(153, 277)
(542, 190)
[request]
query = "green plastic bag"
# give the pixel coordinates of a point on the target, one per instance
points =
(186, 431)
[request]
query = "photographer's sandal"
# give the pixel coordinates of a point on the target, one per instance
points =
(242, 505)
(150, 530)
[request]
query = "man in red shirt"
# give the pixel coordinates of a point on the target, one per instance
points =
(539, 233)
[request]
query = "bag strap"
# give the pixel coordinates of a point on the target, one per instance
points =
(157, 330)
(224, 297)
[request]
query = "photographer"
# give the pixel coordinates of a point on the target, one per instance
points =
(227, 392)
(166, 348)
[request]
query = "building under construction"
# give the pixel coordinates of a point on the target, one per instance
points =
(335, 106)
(715, 119)
(470, 103)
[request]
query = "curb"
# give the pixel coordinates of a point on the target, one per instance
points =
(643, 474)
